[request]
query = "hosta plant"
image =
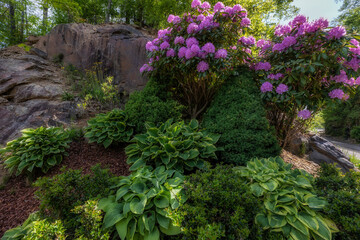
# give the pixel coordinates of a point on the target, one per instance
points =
(289, 203)
(141, 208)
(40, 148)
(177, 145)
(109, 128)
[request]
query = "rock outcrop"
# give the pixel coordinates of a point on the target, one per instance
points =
(324, 151)
(30, 93)
(120, 48)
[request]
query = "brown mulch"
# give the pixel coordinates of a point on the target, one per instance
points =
(300, 163)
(17, 197)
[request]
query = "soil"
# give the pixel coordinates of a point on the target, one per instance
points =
(17, 199)
(300, 163)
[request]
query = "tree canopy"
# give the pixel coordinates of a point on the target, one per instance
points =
(350, 15)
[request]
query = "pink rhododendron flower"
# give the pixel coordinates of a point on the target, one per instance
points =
(205, 5)
(245, 22)
(176, 20)
(321, 23)
(304, 114)
(346, 97)
(191, 41)
(237, 8)
(179, 40)
(144, 68)
(195, 49)
(192, 28)
(229, 10)
(189, 54)
(341, 78)
(336, 93)
(151, 47)
(200, 18)
(208, 48)
(202, 66)
(263, 66)
(170, 18)
(221, 53)
(195, 3)
(298, 20)
(337, 32)
(218, 7)
(282, 88)
(182, 52)
(248, 41)
(202, 54)
(170, 53)
(355, 50)
(289, 41)
(281, 30)
(275, 76)
(357, 81)
(164, 45)
(266, 87)
(354, 64)
(263, 44)
(354, 42)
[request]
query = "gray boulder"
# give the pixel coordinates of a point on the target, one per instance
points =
(324, 151)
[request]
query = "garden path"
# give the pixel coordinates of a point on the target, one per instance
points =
(349, 149)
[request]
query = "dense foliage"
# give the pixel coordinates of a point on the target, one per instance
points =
(289, 203)
(350, 14)
(219, 206)
(153, 104)
(176, 145)
(198, 51)
(60, 194)
(342, 193)
(341, 118)
(40, 148)
(355, 133)
(239, 116)
(109, 128)
(141, 207)
(45, 230)
(20, 232)
(305, 66)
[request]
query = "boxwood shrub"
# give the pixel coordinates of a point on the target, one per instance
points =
(342, 193)
(238, 115)
(152, 104)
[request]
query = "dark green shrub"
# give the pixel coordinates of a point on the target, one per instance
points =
(341, 118)
(355, 133)
(342, 193)
(109, 128)
(219, 206)
(239, 116)
(152, 104)
(63, 192)
(91, 222)
(177, 145)
(140, 208)
(40, 148)
(290, 204)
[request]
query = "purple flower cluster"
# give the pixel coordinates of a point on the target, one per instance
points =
(282, 88)
(146, 68)
(164, 45)
(304, 114)
(218, 7)
(247, 41)
(195, 3)
(151, 47)
(298, 20)
(337, 32)
(281, 30)
(245, 22)
(170, 53)
(202, 66)
(275, 76)
(221, 53)
(179, 40)
(287, 42)
(192, 28)
(336, 93)
(266, 87)
(266, 66)
(208, 48)
(263, 44)
(191, 41)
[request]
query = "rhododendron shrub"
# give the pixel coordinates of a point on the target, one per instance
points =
(304, 67)
(198, 51)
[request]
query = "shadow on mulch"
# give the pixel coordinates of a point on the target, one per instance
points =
(17, 198)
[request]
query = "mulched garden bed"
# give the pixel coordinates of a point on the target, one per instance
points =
(17, 198)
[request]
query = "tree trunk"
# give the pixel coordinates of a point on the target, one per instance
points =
(22, 21)
(107, 18)
(45, 18)
(12, 23)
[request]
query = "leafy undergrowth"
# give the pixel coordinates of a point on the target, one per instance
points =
(17, 197)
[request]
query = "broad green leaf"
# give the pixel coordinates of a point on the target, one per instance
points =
(161, 201)
(270, 185)
(323, 231)
(171, 230)
(300, 227)
(113, 216)
(149, 220)
(138, 187)
(121, 192)
(308, 220)
(137, 204)
(153, 235)
(298, 235)
(163, 221)
(262, 220)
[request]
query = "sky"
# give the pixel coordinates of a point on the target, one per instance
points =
(315, 9)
